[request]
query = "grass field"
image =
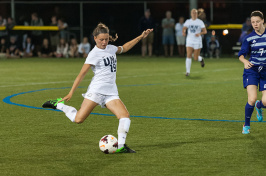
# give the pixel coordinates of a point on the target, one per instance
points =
(180, 125)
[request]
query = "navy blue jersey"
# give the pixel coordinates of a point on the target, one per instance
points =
(255, 45)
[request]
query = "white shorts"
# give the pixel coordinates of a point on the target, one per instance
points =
(100, 98)
(180, 40)
(194, 45)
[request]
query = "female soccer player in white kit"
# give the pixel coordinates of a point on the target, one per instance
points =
(102, 89)
(195, 28)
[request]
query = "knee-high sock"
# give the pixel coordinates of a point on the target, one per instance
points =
(68, 110)
(188, 64)
(260, 105)
(123, 128)
(248, 113)
(199, 58)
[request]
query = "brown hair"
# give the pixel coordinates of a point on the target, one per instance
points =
(257, 13)
(103, 29)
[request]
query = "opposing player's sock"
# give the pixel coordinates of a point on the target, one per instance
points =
(188, 66)
(248, 113)
(70, 111)
(123, 128)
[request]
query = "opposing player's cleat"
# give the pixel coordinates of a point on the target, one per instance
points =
(125, 149)
(187, 74)
(202, 63)
(259, 112)
(246, 129)
(52, 103)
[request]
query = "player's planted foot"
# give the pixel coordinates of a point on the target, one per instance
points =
(246, 129)
(202, 63)
(52, 103)
(187, 74)
(259, 112)
(125, 149)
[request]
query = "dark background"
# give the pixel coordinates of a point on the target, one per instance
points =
(123, 17)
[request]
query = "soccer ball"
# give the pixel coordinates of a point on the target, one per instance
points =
(108, 144)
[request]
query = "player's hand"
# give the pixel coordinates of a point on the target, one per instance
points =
(146, 33)
(66, 98)
(197, 35)
(247, 64)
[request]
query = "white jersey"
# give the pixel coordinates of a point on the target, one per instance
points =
(103, 64)
(194, 27)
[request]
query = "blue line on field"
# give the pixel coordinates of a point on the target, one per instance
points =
(8, 101)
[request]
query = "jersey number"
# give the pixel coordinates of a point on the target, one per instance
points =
(261, 51)
(113, 67)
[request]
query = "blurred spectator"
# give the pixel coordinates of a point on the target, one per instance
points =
(12, 49)
(3, 47)
(54, 35)
(46, 50)
(180, 39)
(3, 33)
(36, 35)
(246, 29)
(62, 28)
(22, 34)
(9, 26)
(205, 38)
(28, 48)
(62, 48)
(214, 47)
(84, 48)
(168, 25)
(73, 48)
(147, 22)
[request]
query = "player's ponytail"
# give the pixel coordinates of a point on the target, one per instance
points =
(103, 29)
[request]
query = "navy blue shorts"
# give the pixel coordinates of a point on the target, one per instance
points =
(256, 75)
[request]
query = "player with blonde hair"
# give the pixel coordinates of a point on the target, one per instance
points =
(194, 28)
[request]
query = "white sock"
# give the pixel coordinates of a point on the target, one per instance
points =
(123, 127)
(199, 58)
(188, 64)
(68, 110)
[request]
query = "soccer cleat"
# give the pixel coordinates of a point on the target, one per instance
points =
(259, 112)
(202, 63)
(246, 129)
(52, 103)
(125, 149)
(187, 74)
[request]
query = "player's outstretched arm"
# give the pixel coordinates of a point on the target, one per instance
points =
(84, 70)
(127, 46)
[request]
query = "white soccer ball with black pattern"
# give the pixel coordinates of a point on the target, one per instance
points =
(108, 144)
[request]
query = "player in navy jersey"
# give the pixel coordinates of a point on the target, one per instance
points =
(254, 68)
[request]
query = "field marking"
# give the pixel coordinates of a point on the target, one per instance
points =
(8, 101)
(119, 77)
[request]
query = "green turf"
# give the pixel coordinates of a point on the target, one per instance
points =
(40, 142)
